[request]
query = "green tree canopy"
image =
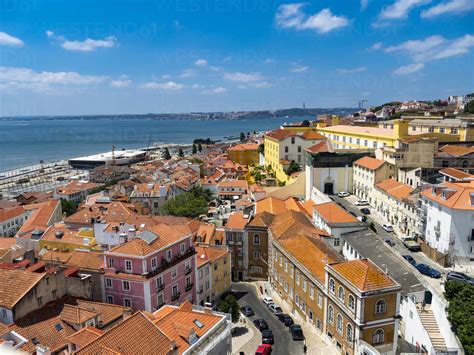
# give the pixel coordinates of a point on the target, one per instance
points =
(185, 205)
(242, 136)
(68, 207)
(180, 152)
(469, 107)
(230, 305)
(194, 149)
(199, 147)
(166, 154)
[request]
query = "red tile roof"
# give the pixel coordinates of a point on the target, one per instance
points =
(369, 163)
(395, 189)
(331, 212)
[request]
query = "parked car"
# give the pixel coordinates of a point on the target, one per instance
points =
(410, 259)
(261, 324)
(362, 203)
(365, 210)
(343, 194)
(287, 320)
(387, 227)
(275, 309)
(459, 276)
(281, 317)
(411, 245)
(390, 242)
(267, 300)
(296, 332)
(247, 311)
(264, 349)
(267, 337)
(428, 270)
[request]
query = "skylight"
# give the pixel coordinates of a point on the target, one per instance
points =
(58, 327)
(198, 323)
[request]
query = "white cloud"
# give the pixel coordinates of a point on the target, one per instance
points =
(299, 68)
(88, 45)
(409, 69)
(26, 75)
(243, 77)
(376, 46)
(165, 76)
(434, 48)
(449, 7)
(269, 61)
(291, 16)
(122, 82)
(351, 71)
(8, 40)
(219, 90)
(197, 86)
(188, 73)
(168, 86)
(201, 62)
(227, 59)
(262, 85)
(400, 9)
(213, 68)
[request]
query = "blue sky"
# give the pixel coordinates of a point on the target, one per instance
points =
(97, 57)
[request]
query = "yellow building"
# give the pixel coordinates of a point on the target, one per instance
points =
(359, 137)
(283, 146)
(66, 239)
(244, 154)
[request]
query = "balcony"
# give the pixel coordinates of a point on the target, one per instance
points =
(189, 287)
(165, 264)
(188, 271)
(175, 296)
(161, 304)
(160, 287)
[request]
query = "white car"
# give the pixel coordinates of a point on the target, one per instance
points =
(267, 300)
(387, 227)
(362, 203)
(343, 194)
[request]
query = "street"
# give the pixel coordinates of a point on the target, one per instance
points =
(284, 344)
(398, 247)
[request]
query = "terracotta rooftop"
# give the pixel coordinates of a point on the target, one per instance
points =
(15, 284)
(275, 205)
(331, 212)
(11, 213)
(395, 189)
(111, 212)
(135, 332)
(236, 221)
(244, 146)
(369, 163)
(363, 274)
(76, 186)
(40, 218)
(456, 174)
(210, 253)
(457, 195)
(321, 147)
(456, 150)
(76, 315)
(234, 183)
(262, 219)
(85, 336)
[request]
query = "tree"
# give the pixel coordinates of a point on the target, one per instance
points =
(242, 136)
(194, 149)
(198, 191)
(180, 152)
(185, 205)
(469, 107)
(230, 305)
(199, 147)
(261, 148)
(305, 123)
(292, 168)
(166, 154)
(68, 207)
(461, 312)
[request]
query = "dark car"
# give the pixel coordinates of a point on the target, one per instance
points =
(267, 337)
(296, 332)
(410, 259)
(261, 324)
(428, 270)
(247, 311)
(365, 210)
(288, 320)
(459, 276)
(390, 242)
(281, 317)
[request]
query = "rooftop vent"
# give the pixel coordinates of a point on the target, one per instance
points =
(59, 234)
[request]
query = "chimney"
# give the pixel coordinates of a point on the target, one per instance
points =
(132, 232)
(122, 238)
(43, 350)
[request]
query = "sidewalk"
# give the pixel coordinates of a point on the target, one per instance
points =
(315, 342)
(245, 338)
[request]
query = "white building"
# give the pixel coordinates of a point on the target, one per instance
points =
(11, 219)
(449, 216)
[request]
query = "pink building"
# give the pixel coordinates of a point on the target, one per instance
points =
(153, 268)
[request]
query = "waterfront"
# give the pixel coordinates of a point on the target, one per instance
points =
(26, 142)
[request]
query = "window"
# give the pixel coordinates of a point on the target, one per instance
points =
(331, 285)
(311, 292)
(320, 300)
(159, 282)
(292, 140)
(349, 333)
(380, 307)
(286, 265)
(286, 149)
(153, 264)
(339, 323)
(340, 293)
(297, 277)
(108, 283)
(304, 285)
(358, 141)
(40, 301)
(169, 254)
(337, 242)
(128, 265)
(256, 254)
(330, 314)
(378, 337)
(111, 262)
(182, 248)
(55, 293)
(174, 272)
(299, 149)
(126, 285)
(351, 302)
(110, 299)
(175, 290)
(127, 302)
(366, 143)
(256, 239)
